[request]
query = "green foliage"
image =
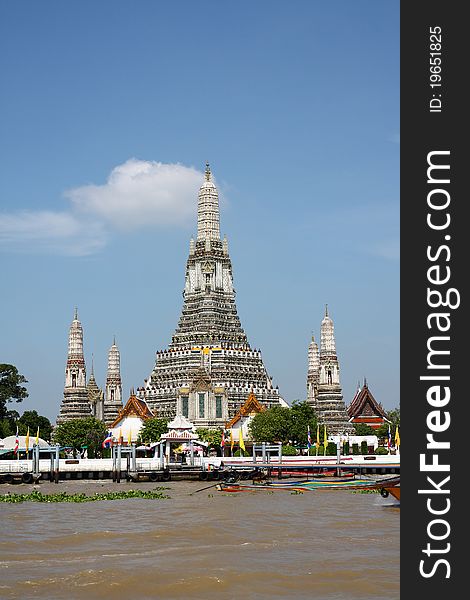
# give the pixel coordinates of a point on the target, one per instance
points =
(363, 429)
(394, 417)
(289, 450)
(10, 387)
(302, 416)
(241, 452)
(212, 436)
(313, 451)
(81, 432)
(381, 450)
(355, 448)
(6, 428)
(364, 447)
(37, 496)
(346, 448)
(331, 449)
(152, 430)
(31, 419)
(283, 424)
(272, 425)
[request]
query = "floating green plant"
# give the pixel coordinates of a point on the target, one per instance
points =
(37, 496)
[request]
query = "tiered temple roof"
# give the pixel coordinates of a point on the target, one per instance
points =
(365, 409)
(209, 368)
(75, 403)
(113, 397)
(323, 381)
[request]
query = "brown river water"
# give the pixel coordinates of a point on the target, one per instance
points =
(322, 544)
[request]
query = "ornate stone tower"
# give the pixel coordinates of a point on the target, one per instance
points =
(313, 373)
(75, 403)
(113, 396)
(323, 385)
(209, 368)
(95, 396)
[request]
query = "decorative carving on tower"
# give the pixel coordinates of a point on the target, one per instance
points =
(113, 396)
(313, 373)
(323, 384)
(95, 395)
(75, 403)
(209, 344)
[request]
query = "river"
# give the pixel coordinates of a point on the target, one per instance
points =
(322, 544)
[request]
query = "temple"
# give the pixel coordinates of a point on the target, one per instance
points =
(113, 395)
(85, 399)
(365, 409)
(75, 404)
(323, 384)
(209, 367)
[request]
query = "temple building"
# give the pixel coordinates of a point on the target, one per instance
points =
(365, 409)
(130, 418)
(209, 367)
(75, 404)
(113, 395)
(95, 395)
(85, 399)
(243, 418)
(323, 383)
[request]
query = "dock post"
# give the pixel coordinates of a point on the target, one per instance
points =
(338, 458)
(35, 460)
(134, 461)
(191, 453)
(118, 464)
(56, 470)
(113, 454)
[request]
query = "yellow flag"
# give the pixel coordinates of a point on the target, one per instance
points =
(129, 437)
(37, 437)
(231, 439)
(242, 443)
(325, 439)
(26, 442)
(397, 438)
(120, 436)
(318, 435)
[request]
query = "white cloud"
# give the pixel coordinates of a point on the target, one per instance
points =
(29, 231)
(141, 193)
(137, 194)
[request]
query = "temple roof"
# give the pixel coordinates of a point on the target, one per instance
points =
(364, 404)
(180, 422)
(252, 405)
(134, 407)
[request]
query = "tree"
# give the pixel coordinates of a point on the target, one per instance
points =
(394, 417)
(80, 432)
(363, 429)
(212, 436)
(272, 425)
(31, 419)
(152, 430)
(10, 387)
(302, 417)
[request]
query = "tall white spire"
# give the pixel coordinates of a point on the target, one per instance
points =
(313, 358)
(75, 372)
(113, 397)
(327, 341)
(75, 403)
(208, 227)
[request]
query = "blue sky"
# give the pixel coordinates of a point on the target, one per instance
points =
(109, 112)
